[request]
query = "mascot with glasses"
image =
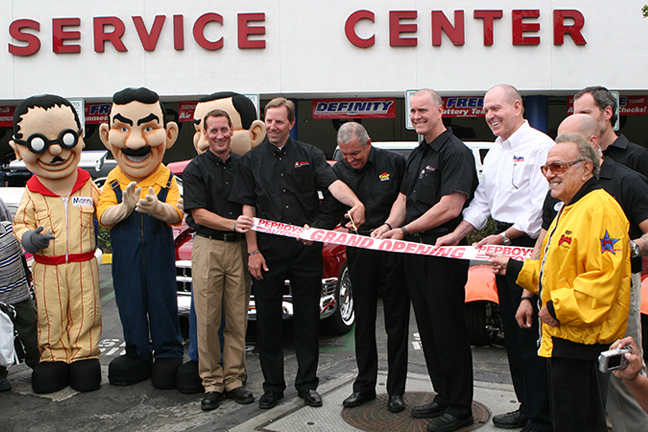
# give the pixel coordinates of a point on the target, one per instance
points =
(55, 222)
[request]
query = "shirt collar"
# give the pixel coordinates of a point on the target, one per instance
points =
(35, 185)
(589, 186)
(438, 142)
(516, 136)
(219, 161)
(607, 168)
(621, 142)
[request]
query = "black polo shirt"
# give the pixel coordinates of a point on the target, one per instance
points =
(377, 185)
(628, 187)
(629, 154)
(434, 170)
(282, 184)
(207, 183)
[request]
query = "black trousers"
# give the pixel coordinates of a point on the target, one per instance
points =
(437, 290)
(302, 265)
(373, 272)
(528, 370)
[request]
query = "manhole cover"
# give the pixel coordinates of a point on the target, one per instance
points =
(374, 417)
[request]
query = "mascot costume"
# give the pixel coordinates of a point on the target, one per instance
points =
(55, 221)
(138, 203)
(249, 132)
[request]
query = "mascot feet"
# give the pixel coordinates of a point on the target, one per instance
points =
(50, 377)
(128, 369)
(164, 372)
(85, 375)
(188, 379)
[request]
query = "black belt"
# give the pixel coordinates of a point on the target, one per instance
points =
(502, 226)
(224, 236)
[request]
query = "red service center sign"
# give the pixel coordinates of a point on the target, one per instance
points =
(470, 106)
(6, 116)
(628, 105)
(354, 108)
(97, 113)
(186, 111)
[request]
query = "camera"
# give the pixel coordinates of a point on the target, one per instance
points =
(613, 359)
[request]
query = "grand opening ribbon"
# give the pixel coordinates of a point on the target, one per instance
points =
(388, 245)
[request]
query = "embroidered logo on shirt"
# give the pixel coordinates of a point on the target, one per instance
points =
(607, 244)
(564, 239)
(81, 201)
(384, 177)
(301, 164)
(518, 159)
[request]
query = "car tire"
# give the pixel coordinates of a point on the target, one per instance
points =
(483, 322)
(343, 318)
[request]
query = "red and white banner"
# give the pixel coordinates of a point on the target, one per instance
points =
(97, 113)
(389, 245)
(628, 105)
(469, 106)
(186, 111)
(6, 116)
(354, 108)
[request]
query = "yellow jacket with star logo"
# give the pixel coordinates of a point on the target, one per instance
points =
(586, 276)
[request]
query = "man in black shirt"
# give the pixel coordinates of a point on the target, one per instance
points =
(375, 175)
(440, 180)
(218, 263)
(278, 180)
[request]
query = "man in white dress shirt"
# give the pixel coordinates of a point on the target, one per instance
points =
(512, 191)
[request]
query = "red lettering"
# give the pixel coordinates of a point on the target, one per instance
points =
(354, 240)
(178, 32)
(399, 245)
(507, 251)
(497, 249)
(199, 31)
(342, 239)
(328, 237)
(385, 245)
(458, 253)
(245, 30)
(422, 249)
(410, 248)
(516, 251)
(59, 35)
(573, 30)
(101, 36)
(149, 40)
(33, 43)
(488, 16)
(396, 28)
(520, 27)
(349, 28)
(366, 242)
(441, 23)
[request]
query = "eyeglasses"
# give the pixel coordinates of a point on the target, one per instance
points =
(38, 143)
(558, 167)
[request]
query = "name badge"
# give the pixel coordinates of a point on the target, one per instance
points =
(82, 201)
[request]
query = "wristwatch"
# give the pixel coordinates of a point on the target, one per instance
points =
(505, 240)
(634, 248)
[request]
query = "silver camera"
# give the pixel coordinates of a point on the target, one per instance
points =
(613, 359)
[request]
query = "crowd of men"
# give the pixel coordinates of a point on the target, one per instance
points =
(583, 204)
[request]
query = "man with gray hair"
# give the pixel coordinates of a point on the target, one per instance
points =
(375, 175)
(630, 189)
(583, 279)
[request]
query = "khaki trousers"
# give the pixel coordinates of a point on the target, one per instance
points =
(220, 287)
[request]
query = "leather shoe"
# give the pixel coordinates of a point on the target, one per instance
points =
(396, 404)
(211, 401)
(240, 396)
(311, 398)
(428, 411)
(358, 398)
(446, 422)
(270, 399)
(513, 420)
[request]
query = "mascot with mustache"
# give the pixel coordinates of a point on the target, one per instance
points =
(55, 222)
(138, 203)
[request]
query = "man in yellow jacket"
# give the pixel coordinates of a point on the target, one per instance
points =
(583, 279)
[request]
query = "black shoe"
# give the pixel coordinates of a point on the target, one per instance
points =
(4, 385)
(270, 399)
(446, 422)
(311, 398)
(240, 396)
(211, 401)
(513, 420)
(428, 411)
(396, 404)
(358, 398)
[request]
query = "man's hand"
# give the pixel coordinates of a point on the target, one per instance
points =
(498, 263)
(244, 224)
(447, 240)
(33, 240)
(306, 242)
(180, 205)
(256, 265)
(524, 314)
(130, 197)
(546, 317)
(357, 215)
(634, 367)
(395, 234)
(378, 232)
(495, 239)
